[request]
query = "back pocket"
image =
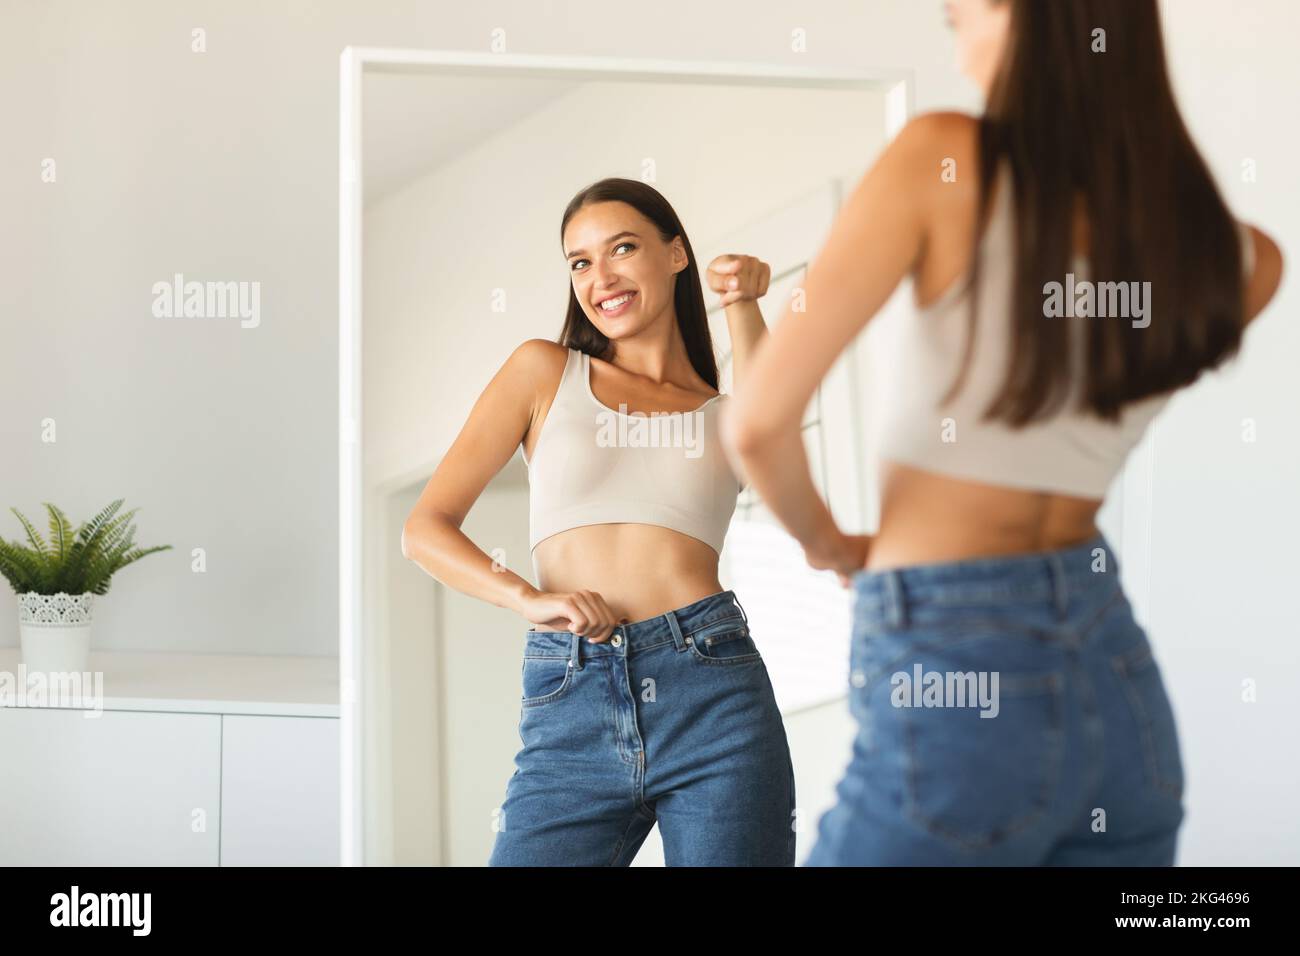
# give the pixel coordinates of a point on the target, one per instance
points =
(978, 773)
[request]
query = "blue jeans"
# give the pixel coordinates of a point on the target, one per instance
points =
(1009, 712)
(673, 720)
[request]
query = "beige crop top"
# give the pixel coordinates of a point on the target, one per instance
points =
(1072, 453)
(595, 465)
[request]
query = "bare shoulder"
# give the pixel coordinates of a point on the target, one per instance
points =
(938, 161)
(940, 137)
(537, 361)
(539, 352)
(941, 127)
(1263, 283)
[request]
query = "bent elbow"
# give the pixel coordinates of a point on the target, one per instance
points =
(738, 432)
(744, 443)
(409, 534)
(748, 439)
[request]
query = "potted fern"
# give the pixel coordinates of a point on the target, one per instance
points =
(55, 582)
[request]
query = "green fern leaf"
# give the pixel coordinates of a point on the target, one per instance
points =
(61, 533)
(34, 536)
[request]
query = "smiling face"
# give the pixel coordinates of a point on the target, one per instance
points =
(613, 251)
(981, 27)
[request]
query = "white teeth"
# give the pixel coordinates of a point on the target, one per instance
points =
(615, 303)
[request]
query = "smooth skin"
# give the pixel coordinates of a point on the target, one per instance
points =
(591, 578)
(901, 220)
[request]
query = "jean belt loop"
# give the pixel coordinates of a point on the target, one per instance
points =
(676, 629)
(575, 653)
(1060, 586)
(743, 615)
(895, 599)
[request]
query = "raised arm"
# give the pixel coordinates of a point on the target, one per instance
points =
(740, 280)
(874, 243)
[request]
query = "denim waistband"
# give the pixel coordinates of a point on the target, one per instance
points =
(674, 625)
(1028, 577)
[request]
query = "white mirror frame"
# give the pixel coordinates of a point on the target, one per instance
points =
(898, 87)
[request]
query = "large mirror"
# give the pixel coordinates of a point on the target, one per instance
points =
(462, 174)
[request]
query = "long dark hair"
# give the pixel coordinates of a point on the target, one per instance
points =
(688, 295)
(1068, 120)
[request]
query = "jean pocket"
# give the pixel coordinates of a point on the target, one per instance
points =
(1144, 689)
(545, 679)
(724, 642)
(985, 762)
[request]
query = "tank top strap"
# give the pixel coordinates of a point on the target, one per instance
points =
(576, 369)
(569, 389)
(581, 372)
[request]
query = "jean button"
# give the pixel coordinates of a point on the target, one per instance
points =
(616, 640)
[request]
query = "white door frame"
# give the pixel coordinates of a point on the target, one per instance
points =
(354, 63)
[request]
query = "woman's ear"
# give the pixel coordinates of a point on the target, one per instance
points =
(680, 259)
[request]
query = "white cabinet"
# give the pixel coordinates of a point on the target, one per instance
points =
(117, 789)
(176, 760)
(279, 791)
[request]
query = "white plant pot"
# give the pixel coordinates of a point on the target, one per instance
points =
(54, 630)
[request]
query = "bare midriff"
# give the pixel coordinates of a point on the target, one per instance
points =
(644, 570)
(640, 570)
(927, 518)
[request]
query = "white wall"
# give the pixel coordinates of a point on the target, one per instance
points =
(1224, 516)
(223, 165)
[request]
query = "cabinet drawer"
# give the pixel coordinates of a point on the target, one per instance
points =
(122, 788)
(280, 791)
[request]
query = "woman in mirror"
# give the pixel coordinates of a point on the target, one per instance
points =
(1009, 707)
(645, 697)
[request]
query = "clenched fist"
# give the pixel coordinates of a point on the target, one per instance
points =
(737, 278)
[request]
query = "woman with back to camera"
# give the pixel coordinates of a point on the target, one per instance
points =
(671, 717)
(1039, 731)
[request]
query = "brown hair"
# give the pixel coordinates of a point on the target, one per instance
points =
(1104, 125)
(688, 294)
